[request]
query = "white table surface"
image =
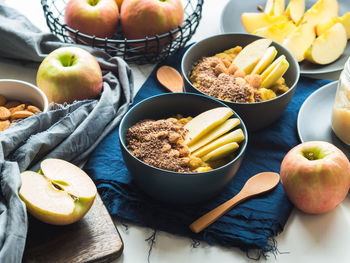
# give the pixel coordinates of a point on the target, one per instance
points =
(306, 238)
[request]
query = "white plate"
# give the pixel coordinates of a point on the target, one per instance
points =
(314, 118)
(231, 22)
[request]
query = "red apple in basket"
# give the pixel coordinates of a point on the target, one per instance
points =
(141, 18)
(315, 176)
(93, 17)
(68, 74)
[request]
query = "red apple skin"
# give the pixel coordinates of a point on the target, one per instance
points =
(100, 20)
(141, 18)
(68, 74)
(315, 186)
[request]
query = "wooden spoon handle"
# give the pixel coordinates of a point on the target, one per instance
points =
(210, 217)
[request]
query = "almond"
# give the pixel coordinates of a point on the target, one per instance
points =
(4, 125)
(21, 114)
(18, 108)
(11, 104)
(3, 100)
(33, 109)
(4, 113)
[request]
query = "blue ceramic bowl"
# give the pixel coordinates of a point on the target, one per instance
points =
(256, 115)
(169, 186)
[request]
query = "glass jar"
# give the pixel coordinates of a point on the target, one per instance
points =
(341, 107)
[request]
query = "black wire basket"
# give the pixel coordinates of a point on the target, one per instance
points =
(140, 51)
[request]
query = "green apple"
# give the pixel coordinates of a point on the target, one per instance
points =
(328, 47)
(68, 74)
(220, 152)
(60, 194)
(205, 122)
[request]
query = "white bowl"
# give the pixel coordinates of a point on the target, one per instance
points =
(23, 91)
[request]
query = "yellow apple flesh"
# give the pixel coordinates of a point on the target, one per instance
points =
(275, 73)
(300, 40)
(251, 54)
(321, 11)
(345, 20)
(215, 133)
(277, 32)
(328, 47)
(60, 194)
(205, 122)
(254, 21)
(220, 152)
(295, 10)
(265, 61)
(234, 136)
(274, 7)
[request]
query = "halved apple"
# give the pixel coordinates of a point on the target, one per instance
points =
(60, 194)
(274, 7)
(329, 46)
(215, 133)
(205, 122)
(251, 54)
(234, 136)
(345, 20)
(274, 73)
(254, 21)
(220, 152)
(295, 10)
(300, 40)
(277, 32)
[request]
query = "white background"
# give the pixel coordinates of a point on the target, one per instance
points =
(306, 238)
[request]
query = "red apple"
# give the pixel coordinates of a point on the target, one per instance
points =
(315, 176)
(93, 17)
(141, 18)
(68, 74)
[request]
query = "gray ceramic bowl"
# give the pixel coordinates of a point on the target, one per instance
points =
(168, 186)
(256, 115)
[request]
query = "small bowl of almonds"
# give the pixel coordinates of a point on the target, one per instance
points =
(19, 100)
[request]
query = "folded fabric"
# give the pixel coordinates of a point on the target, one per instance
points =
(70, 132)
(250, 225)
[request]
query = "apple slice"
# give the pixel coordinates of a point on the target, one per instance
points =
(234, 136)
(321, 11)
(266, 60)
(254, 21)
(345, 20)
(60, 194)
(277, 32)
(251, 54)
(295, 10)
(269, 69)
(300, 40)
(275, 73)
(274, 7)
(215, 133)
(220, 152)
(205, 122)
(328, 47)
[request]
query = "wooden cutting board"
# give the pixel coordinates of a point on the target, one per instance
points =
(92, 239)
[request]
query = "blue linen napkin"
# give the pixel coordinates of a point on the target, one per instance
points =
(250, 225)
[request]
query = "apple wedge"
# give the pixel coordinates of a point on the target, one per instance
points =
(328, 47)
(274, 7)
(295, 10)
(60, 194)
(205, 122)
(345, 20)
(251, 54)
(277, 32)
(265, 61)
(215, 133)
(234, 136)
(253, 21)
(274, 73)
(300, 40)
(321, 11)
(220, 152)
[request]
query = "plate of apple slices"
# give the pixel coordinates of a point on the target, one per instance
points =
(315, 31)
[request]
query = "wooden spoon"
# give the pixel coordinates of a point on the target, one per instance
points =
(170, 78)
(259, 183)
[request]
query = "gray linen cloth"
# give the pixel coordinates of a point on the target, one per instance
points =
(70, 132)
